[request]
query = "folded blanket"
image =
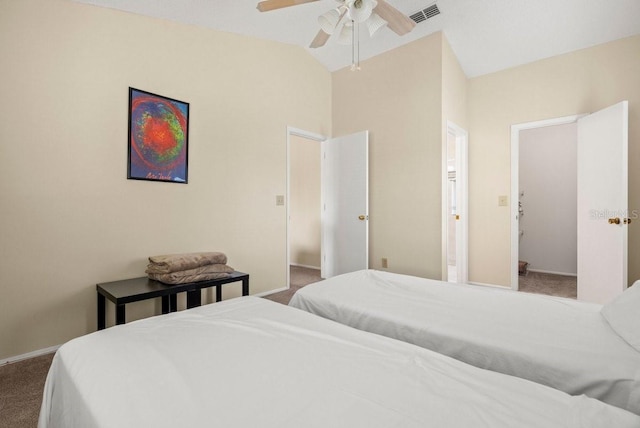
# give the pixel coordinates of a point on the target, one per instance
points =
(181, 262)
(214, 268)
(202, 273)
(172, 280)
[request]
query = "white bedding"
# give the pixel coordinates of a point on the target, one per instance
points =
(553, 341)
(249, 362)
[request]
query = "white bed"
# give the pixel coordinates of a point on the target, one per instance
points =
(562, 343)
(249, 362)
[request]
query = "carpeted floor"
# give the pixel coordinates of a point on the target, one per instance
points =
(21, 386)
(550, 284)
(299, 277)
(22, 383)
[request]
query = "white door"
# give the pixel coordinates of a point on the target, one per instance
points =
(345, 204)
(602, 204)
(455, 203)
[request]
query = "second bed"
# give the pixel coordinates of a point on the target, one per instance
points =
(568, 345)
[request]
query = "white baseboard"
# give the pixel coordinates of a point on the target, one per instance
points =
(552, 272)
(305, 266)
(28, 355)
(489, 285)
(266, 293)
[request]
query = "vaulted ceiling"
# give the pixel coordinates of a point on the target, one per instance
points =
(486, 35)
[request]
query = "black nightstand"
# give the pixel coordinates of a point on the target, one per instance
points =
(137, 289)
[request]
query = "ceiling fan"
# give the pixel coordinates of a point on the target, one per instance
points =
(375, 14)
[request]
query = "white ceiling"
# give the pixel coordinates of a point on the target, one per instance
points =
(486, 35)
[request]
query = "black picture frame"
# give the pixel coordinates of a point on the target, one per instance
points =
(158, 142)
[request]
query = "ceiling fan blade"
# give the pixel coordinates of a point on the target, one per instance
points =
(397, 21)
(320, 39)
(268, 5)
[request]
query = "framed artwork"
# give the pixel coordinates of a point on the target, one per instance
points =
(158, 138)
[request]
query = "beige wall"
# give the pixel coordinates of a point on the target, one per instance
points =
(71, 219)
(304, 202)
(454, 90)
(580, 82)
(397, 97)
(403, 99)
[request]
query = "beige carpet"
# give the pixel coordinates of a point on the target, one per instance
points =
(299, 277)
(550, 284)
(21, 386)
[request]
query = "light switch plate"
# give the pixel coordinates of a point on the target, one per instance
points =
(279, 199)
(503, 201)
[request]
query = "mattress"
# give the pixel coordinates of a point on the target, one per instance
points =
(558, 342)
(249, 362)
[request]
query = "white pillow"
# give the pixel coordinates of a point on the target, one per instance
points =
(623, 315)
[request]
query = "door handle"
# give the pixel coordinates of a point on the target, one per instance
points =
(362, 217)
(627, 221)
(615, 220)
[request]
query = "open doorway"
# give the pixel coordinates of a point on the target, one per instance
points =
(547, 208)
(602, 213)
(454, 202)
(327, 209)
(304, 211)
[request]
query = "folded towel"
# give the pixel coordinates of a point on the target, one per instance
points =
(215, 268)
(180, 262)
(202, 273)
(171, 280)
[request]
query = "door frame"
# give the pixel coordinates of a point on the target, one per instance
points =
(515, 181)
(462, 238)
(291, 131)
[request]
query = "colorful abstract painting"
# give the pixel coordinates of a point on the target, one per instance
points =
(158, 137)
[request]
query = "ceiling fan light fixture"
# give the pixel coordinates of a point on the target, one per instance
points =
(360, 10)
(329, 20)
(375, 23)
(346, 34)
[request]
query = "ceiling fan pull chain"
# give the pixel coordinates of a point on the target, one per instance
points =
(357, 29)
(353, 45)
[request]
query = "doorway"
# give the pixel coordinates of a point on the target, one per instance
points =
(547, 206)
(342, 204)
(602, 214)
(519, 204)
(303, 207)
(454, 203)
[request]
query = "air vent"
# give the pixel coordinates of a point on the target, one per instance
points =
(425, 14)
